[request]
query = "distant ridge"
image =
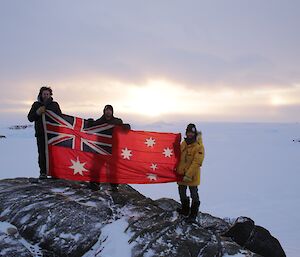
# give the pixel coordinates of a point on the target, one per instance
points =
(20, 126)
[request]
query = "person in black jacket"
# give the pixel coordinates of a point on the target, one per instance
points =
(44, 101)
(107, 117)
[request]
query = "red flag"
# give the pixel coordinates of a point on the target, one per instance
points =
(79, 152)
(142, 157)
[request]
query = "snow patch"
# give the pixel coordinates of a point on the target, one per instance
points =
(89, 203)
(113, 241)
(30, 206)
(241, 220)
(5, 225)
(43, 229)
(75, 237)
(25, 218)
(58, 190)
(149, 253)
(69, 193)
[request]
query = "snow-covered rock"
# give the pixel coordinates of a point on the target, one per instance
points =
(66, 218)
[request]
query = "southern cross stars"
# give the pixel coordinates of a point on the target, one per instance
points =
(151, 177)
(168, 152)
(78, 167)
(153, 166)
(126, 154)
(150, 142)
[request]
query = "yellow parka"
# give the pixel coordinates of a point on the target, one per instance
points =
(191, 159)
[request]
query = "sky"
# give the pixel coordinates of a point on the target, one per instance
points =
(225, 60)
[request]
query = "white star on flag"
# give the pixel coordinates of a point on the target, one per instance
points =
(150, 142)
(153, 166)
(151, 177)
(78, 167)
(167, 152)
(126, 154)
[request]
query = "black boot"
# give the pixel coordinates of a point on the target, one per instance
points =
(185, 207)
(114, 187)
(43, 176)
(194, 212)
(94, 186)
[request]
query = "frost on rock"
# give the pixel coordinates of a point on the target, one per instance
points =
(66, 218)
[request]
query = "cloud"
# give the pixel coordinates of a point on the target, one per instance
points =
(222, 41)
(98, 50)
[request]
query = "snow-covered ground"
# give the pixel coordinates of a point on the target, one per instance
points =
(250, 169)
(113, 242)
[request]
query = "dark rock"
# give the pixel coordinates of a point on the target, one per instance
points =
(255, 238)
(67, 218)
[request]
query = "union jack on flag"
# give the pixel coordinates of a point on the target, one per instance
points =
(75, 133)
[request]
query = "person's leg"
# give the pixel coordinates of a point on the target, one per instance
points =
(194, 193)
(42, 156)
(195, 203)
(182, 193)
(185, 201)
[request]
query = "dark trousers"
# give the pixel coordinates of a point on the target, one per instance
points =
(193, 190)
(42, 154)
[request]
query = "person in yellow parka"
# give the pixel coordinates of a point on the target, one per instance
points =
(192, 155)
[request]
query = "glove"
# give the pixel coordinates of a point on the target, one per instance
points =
(41, 110)
(187, 178)
(90, 122)
(126, 126)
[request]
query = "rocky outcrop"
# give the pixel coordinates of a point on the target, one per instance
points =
(66, 218)
(20, 126)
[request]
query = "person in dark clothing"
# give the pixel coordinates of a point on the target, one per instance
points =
(107, 117)
(44, 102)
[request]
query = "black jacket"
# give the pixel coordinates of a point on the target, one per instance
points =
(102, 119)
(32, 115)
(113, 121)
